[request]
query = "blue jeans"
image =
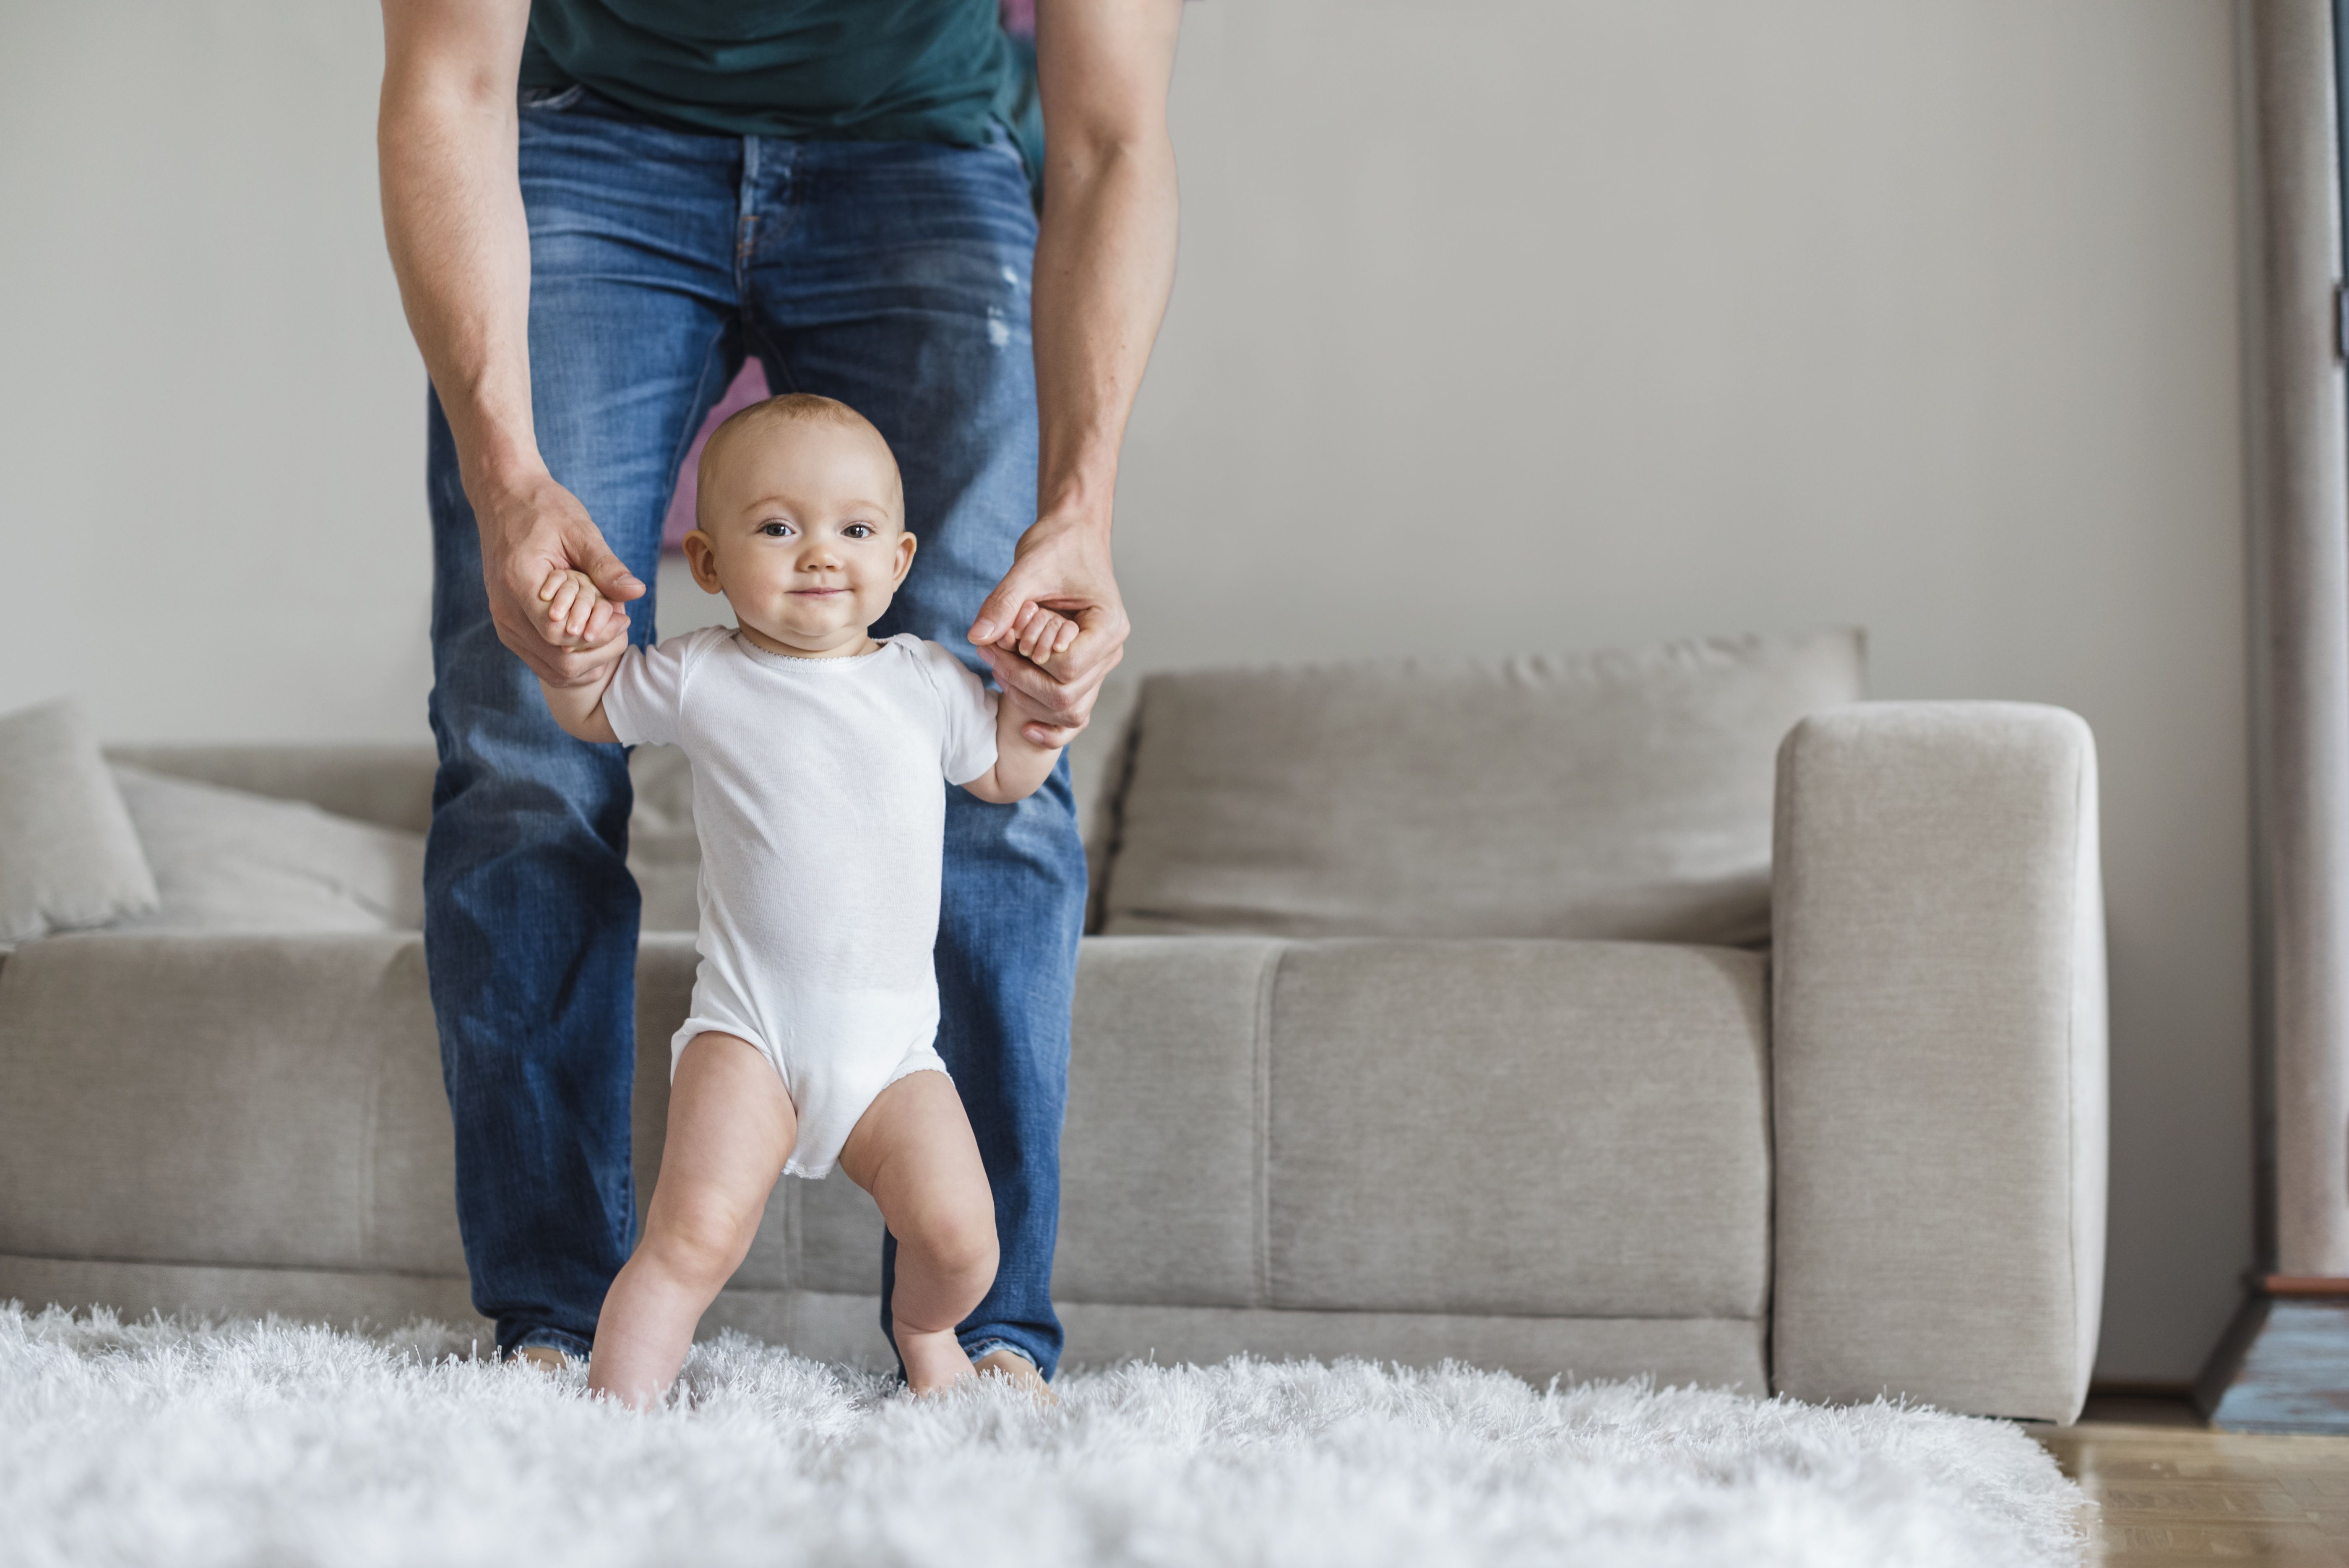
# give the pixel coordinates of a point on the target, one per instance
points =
(893, 277)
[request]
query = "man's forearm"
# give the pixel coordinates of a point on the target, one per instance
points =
(453, 219)
(1105, 253)
(1104, 265)
(452, 215)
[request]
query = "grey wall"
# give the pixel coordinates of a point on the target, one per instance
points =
(1511, 324)
(211, 415)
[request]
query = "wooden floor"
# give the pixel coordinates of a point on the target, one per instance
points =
(2170, 1492)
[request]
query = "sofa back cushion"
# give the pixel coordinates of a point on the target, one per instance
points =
(390, 785)
(231, 861)
(1611, 795)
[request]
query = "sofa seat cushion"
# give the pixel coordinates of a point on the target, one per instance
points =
(1532, 1128)
(232, 1099)
(1615, 796)
(1436, 1130)
(253, 1101)
(1519, 1127)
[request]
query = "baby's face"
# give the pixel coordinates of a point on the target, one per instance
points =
(802, 529)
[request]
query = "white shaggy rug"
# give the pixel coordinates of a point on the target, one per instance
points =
(257, 1443)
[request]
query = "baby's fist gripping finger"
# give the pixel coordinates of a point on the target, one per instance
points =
(571, 602)
(1038, 634)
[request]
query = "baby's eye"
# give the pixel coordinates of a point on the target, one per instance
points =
(776, 530)
(859, 530)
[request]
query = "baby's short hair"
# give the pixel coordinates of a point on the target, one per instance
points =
(788, 408)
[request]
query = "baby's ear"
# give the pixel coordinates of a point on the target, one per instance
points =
(701, 558)
(906, 545)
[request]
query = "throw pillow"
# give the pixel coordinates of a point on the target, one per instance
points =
(68, 855)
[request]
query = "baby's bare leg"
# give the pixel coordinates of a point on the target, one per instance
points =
(731, 1128)
(913, 1150)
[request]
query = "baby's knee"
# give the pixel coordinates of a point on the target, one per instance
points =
(957, 1241)
(699, 1236)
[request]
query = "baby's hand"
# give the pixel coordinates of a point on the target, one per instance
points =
(1036, 634)
(572, 603)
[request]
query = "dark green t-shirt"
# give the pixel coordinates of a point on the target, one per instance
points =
(850, 71)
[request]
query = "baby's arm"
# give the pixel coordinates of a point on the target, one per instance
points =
(1020, 765)
(571, 598)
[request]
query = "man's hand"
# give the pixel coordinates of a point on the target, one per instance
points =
(1060, 573)
(556, 588)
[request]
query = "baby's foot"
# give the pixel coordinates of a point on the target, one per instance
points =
(1019, 1371)
(933, 1361)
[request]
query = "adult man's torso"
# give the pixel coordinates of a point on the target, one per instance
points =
(866, 70)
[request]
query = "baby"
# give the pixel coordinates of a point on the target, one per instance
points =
(817, 755)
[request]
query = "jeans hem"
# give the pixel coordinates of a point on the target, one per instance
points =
(978, 1348)
(570, 1345)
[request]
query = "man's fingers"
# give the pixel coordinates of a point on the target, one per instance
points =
(609, 573)
(1002, 609)
(1036, 693)
(557, 666)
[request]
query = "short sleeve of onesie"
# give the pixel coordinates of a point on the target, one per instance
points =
(970, 711)
(648, 689)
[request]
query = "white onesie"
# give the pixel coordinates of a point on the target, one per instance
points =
(817, 793)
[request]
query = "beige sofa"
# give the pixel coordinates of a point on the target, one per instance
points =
(1435, 1011)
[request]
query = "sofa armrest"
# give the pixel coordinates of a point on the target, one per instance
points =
(1937, 1058)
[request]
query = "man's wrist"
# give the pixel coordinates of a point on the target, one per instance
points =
(497, 450)
(1075, 506)
(506, 475)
